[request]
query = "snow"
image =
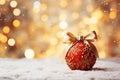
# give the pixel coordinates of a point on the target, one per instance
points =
(56, 69)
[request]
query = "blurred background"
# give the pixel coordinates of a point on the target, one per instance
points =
(36, 28)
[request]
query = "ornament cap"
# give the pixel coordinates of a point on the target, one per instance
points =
(81, 38)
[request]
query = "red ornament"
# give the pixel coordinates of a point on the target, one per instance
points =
(82, 54)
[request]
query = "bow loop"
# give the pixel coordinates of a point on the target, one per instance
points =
(91, 36)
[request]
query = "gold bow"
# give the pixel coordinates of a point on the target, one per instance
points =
(90, 37)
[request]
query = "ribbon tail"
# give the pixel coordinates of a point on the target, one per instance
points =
(95, 35)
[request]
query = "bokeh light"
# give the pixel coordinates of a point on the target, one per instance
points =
(16, 12)
(93, 20)
(44, 17)
(13, 3)
(11, 42)
(16, 23)
(36, 6)
(63, 4)
(3, 38)
(63, 25)
(2, 2)
(29, 53)
(6, 29)
(43, 6)
(112, 15)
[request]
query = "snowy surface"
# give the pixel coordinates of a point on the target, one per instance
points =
(55, 69)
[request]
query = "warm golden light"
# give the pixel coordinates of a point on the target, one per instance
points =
(29, 53)
(93, 20)
(36, 6)
(11, 42)
(13, 3)
(2, 2)
(44, 17)
(6, 29)
(38, 27)
(36, 10)
(3, 38)
(98, 14)
(112, 15)
(90, 8)
(102, 54)
(16, 12)
(63, 25)
(63, 4)
(16, 23)
(62, 16)
(75, 15)
(43, 6)
(53, 41)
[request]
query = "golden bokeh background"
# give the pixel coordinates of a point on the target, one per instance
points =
(37, 28)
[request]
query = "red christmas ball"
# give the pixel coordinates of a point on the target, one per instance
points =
(81, 55)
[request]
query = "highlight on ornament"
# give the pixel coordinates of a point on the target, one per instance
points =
(82, 54)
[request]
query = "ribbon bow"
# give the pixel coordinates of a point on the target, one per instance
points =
(90, 37)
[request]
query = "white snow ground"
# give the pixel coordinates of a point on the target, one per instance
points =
(55, 69)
